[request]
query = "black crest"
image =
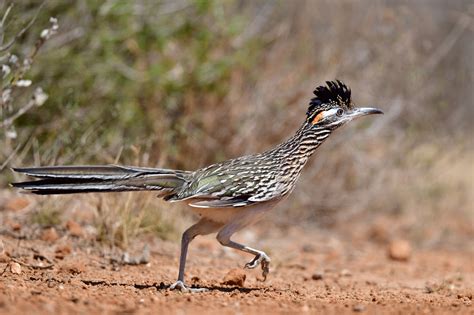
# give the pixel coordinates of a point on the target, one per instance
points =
(335, 93)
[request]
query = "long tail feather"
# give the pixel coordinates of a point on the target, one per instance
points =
(82, 179)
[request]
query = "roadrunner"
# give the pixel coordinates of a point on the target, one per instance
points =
(227, 196)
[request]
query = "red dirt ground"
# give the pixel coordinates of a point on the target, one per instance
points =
(311, 271)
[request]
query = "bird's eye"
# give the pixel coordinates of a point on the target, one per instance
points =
(340, 112)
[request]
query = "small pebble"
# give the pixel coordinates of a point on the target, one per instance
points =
(74, 228)
(62, 251)
(4, 258)
(49, 235)
(17, 204)
(15, 268)
(358, 308)
(73, 267)
(235, 277)
(15, 226)
(399, 250)
(319, 275)
(345, 273)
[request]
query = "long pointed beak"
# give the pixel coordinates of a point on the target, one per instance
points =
(363, 111)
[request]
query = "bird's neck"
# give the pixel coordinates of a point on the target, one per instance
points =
(303, 144)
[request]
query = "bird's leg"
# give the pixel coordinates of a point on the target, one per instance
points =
(203, 227)
(260, 257)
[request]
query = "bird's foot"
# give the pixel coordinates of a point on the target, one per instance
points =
(179, 285)
(263, 260)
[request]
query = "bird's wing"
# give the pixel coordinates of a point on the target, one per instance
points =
(222, 191)
(233, 185)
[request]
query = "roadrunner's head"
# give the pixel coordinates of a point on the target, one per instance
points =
(332, 107)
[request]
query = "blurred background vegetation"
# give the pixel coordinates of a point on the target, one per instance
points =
(181, 84)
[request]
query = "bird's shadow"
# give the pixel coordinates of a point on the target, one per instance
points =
(163, 287)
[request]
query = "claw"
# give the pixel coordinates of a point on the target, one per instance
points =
(263, 260)
(179, 285)
(265, 269)
(253, 263)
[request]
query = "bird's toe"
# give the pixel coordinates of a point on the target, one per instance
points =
(179, 285)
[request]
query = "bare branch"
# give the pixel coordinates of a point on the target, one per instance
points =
(38, 99)
(2, 23)
(4, 18)
(22, 31)
(10, 156)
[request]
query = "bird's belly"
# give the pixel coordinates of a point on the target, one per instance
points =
(219, 215)
(245, 215)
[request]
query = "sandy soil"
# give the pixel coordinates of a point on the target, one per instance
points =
(311, 271)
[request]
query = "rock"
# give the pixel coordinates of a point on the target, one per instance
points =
(15, 268)
(399, 250)
(49, 235)
(2, 247)
(17, 204)
(345, 273)
(74, 228)
(235, 277)
(318, 275)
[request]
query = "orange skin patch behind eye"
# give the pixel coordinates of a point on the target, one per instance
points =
(317, 118)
